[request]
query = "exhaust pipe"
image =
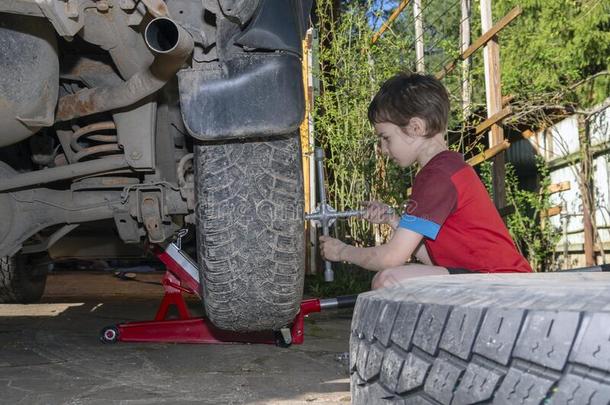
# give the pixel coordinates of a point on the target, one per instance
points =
(162, 35)
(172, 46)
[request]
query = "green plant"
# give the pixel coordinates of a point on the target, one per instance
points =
(527, 224)
(553, 45)
(351, 70)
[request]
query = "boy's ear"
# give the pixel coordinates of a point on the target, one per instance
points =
(417, 126)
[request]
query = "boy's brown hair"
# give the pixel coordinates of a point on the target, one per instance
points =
(405, 96)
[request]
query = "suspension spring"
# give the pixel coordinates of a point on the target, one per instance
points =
(107, 144)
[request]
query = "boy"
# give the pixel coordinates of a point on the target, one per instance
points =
(450, 225)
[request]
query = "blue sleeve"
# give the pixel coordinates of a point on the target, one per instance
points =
(429, 229)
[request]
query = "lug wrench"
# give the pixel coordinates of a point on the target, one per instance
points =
(324, 214)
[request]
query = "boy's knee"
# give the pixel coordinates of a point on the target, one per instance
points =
(377, 280)
(396, 275)
(385, 278)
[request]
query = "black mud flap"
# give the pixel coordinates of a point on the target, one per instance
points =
(256, 92)
(253, 95)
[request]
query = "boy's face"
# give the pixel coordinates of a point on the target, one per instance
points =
(400, 144)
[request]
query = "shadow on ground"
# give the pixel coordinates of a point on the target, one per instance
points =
(50, 354)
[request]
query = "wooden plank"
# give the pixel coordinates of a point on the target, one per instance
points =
(556, 210)
(488, 154)
(507, 99)
(498, 180)
(420, 66)
(465, 7)
(494, 119)
(481, 41)
(493, 85)
(559, 187)
(551, 212)
(307, 157)
(493, 95)
(586, 195)
(390, 20)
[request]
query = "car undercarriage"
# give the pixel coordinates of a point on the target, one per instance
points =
(129, 120)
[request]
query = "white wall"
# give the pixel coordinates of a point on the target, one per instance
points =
(559, 141)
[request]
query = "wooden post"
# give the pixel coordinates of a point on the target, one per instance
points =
(306, 132)
(420, 65)
(493, 93)
(566, 244)
(464, 44)
(491, 59)
(588, 209)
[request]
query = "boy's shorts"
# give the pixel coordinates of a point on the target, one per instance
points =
(458, 270)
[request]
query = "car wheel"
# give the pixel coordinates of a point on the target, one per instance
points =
(250, 231)
(20, 283)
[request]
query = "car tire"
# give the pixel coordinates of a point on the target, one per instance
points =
(498, 339)
(19, 283)
(250, 231)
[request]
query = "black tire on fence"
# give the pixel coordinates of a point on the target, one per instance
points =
(498, 339)
(19, 283)
(251, 232)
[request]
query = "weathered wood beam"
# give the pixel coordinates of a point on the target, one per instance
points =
(488, 154)
(507, 99)
(403, 4)
(559, 187)
(480, 42)
(420, 66)
(494, 119)
(551, 212)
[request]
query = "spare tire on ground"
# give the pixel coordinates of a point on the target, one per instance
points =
(250, 231)
(499, 339)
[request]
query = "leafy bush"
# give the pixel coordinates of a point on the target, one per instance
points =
(351, 72)
(532, 233)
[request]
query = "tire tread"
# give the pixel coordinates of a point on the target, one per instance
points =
(442, 349)
(17, 284)
(250, 232)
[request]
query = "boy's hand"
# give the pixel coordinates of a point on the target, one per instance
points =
(331, 249)
(380, 213)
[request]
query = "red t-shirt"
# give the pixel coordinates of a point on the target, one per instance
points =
(450, 207)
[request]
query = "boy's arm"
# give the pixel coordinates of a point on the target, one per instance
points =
(394, 253)
(421, 253)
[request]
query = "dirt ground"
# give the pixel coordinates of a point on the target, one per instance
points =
(50, 354)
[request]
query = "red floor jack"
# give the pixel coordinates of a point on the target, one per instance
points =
(182, 276)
